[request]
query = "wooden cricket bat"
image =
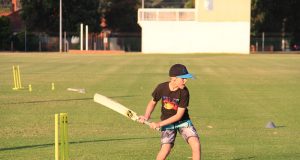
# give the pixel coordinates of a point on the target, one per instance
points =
(79, 90)
(107, 102)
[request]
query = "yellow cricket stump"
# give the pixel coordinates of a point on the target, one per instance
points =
(52, 86)
(29, 88)
(17, 78)
(56, 138)
(61, 129)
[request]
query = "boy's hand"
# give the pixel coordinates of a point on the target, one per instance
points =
(154, 125)
(142, 119)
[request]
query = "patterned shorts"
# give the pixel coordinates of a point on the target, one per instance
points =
(168, 135)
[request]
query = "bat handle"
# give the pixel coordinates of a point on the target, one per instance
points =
(148, 123)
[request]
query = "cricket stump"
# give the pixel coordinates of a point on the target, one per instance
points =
(61, 134)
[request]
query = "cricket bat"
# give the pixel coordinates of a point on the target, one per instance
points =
(107, 102)
(79, 90)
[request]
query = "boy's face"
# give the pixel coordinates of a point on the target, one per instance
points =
(180, 82)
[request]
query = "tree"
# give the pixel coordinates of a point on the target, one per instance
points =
(40, 16)
(5, 32)
(76, 12)
(43, 15)
(122, 15)
(257, 16)
(276, 16)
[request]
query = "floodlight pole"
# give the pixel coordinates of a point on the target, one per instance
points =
(60, 26)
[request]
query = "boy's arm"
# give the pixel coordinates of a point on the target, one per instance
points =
(150, 107)
(170, 120)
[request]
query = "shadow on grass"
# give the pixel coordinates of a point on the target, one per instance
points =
(280, 126)
(244, 158)
(61, 100)
(46, 101)
(75, 142)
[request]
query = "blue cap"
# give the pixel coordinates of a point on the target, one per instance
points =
(186, 76)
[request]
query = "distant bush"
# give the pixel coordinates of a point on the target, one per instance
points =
(32, 42)
(5, 33)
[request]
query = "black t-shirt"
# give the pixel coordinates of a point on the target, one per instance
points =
(171, 100)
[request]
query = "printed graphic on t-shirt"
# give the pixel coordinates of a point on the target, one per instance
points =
(170, 103)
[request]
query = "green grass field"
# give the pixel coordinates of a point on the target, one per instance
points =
(234, 94)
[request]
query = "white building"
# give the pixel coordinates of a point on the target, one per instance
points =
(213, 26)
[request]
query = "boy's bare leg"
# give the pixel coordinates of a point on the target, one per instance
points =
(196, 147)
(164, 151)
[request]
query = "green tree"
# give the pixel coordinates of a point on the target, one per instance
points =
(77, 11)
(43, 15)
(5, 32)
(276, 16)
(257, 16)
(122, 15)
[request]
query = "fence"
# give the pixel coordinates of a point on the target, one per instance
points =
(40, 42)
(130, 42)
(274, 42)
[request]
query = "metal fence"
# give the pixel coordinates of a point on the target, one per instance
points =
(40, 42)
(129, 42)
(273, 42)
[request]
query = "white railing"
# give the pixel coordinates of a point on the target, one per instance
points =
(157, 14)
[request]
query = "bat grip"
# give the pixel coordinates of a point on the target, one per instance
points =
(148, 123)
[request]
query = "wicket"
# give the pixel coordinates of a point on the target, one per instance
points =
(61, 123)
(17, 78)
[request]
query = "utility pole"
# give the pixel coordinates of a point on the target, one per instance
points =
(60, 26)
(283, 41)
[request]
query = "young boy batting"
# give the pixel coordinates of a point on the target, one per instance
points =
(174, 97)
